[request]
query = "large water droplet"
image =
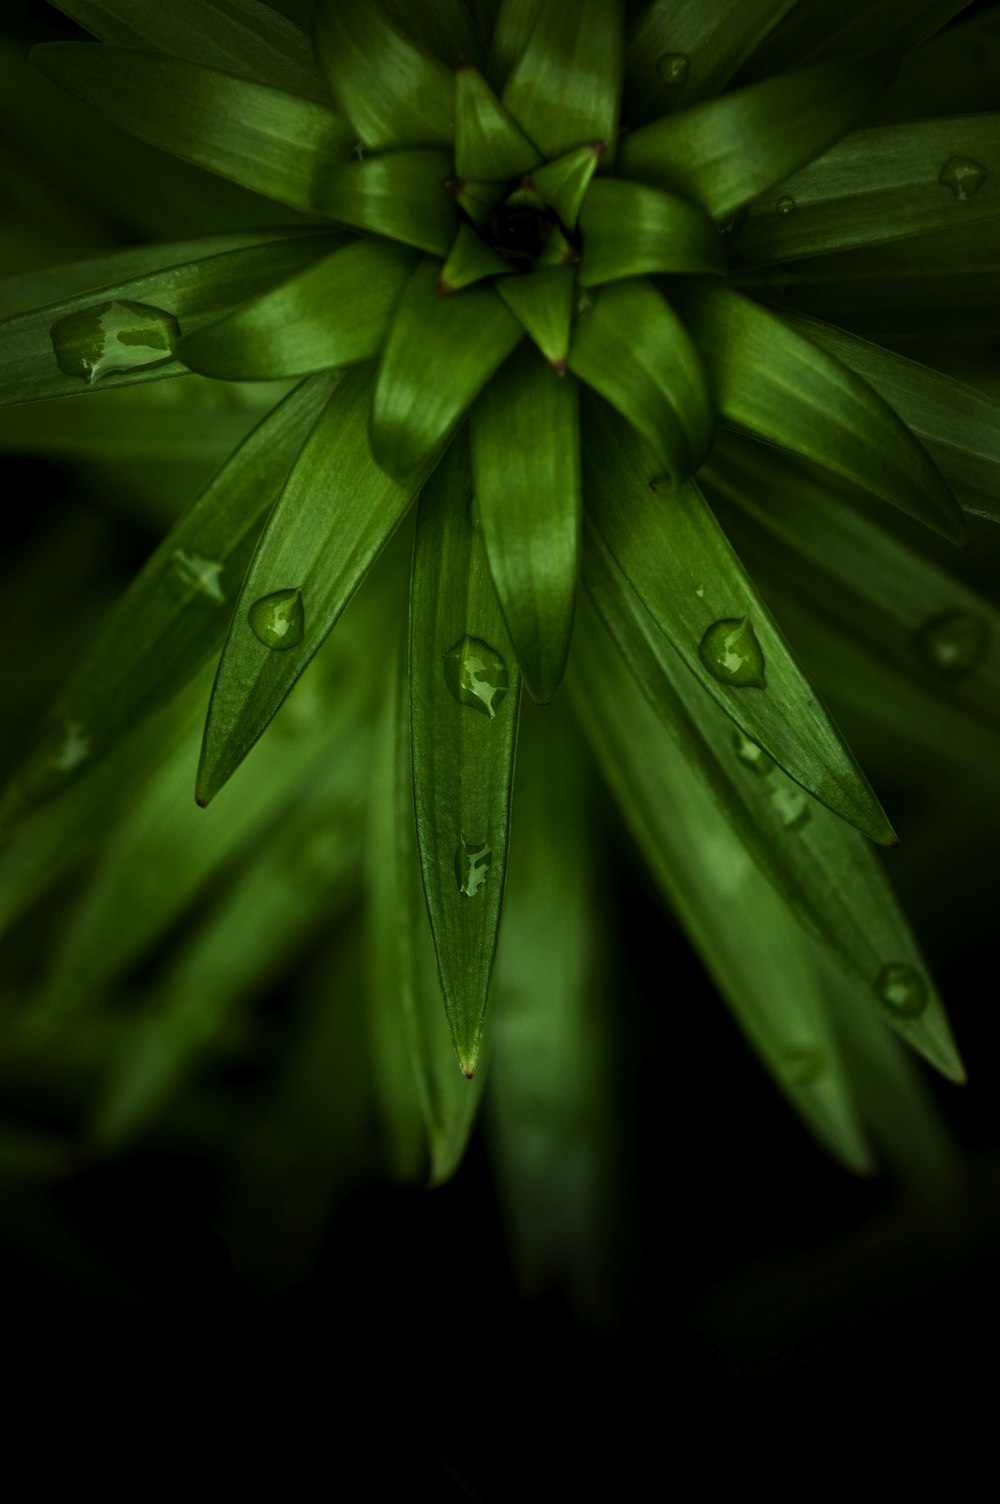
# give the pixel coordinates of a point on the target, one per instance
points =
(673, 68)
(785, 204)
(753, 756)
(278, 620)
(190, 574)
(118, 336)
(476, 675)
(954, 642)
(731, 653)
(902, 989)
(963, 176)
(472, 865)
(804, 1064)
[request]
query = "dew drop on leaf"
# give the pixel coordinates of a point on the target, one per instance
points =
(476, 675)
(673, 68)
(278, 620)
(753, 756)
(901, 989)
(954, 643)
(190, 574)
(963, 176)
(472, 865)
(731, 653)
(785, 204)
(113, 337)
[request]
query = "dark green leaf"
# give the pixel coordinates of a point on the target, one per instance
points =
(403, 195)
(444, 27)
(563, 183)
(275, 143)
(812, 31)
(469, 260)
(565, 88)
(629, 229)
(630, 346)
(526, 472)
(543, 303)
(465, 695)
(780, 386)
(724, 152)
(439, 354)
(333, 314)
(334, 515)
(489, 144)
(510, 37)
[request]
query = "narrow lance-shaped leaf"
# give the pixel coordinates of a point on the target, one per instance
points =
(489, 144)
(427, 1103)
(565, 88)
(724, 152)
(812, 31)
(444, 27)
(128, 332)
(757, 954)
(677, 559)
(176, 610)
(680, 51)
(274, 143)
(878, 185)
(403, 195)
(510, 37)
(543, 303)
(780, 386)
(630, 346)
(465, 695)
(334, 515)
(469, 260)
(439, 354)
(827, 873)
(246, 37)
(394, 93)
(629, 229)
(335, 313)
(526, 473)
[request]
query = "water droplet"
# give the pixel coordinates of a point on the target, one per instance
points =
(902, 989)
(476, 675)
(472, 865)
(785, 204)
(673, 68)
(792, 804)
(190, 574)
(731, 653)
(954, 643)
(60, 754)
(804, 1064)
(119, 336)
(700, 592)
(963, 176)
(278, 620)
(753, 756)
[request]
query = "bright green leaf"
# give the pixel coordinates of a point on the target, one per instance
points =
(565, 88)
(543, 303)
(489, 144)
(563, 184)
(403, 195)
(629, 229)
(469, 260)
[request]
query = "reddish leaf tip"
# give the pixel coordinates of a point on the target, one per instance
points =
(456, 187)
(443, 288)
(559, 366)
(462, 65)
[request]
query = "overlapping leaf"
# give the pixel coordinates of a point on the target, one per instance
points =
(811, 31)
(565, 87)
(629, 229)
(401, 194)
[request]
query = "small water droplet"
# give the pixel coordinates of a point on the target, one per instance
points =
(785, 204)
(804, 1064)
(902, 989)
(190, 574)
(278, 620)
(963, 176)
(731, 653)
(472, 865)
(700, 592)
(792, 804)
(118, 336)
(753, 756)
(954, 643)
(673, 68)
(476, 675)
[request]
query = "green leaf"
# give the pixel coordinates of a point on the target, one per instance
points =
(543, 301)
(780, 386)
(427, 1103)
(878, 185)
(758, 956)
(563, 184)
(394, 93)
(439, 354)
(526, 470)
(628, 229)
(334, 515)
(403, 195)
(510, 37)
(335, 313)
(444, 27)
(826, 872)
(680, 51)
(464, 699)
(244, 37)
(634, 351)
(118, 335)
(726, 151)
(469, 260)
(565, 88)
(677, 560)
(477, 200)
(174, 614)
(274, 143)
(810, 32)
(489, 144)
(958, 426)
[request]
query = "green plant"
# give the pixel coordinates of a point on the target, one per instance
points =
(553, 277)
